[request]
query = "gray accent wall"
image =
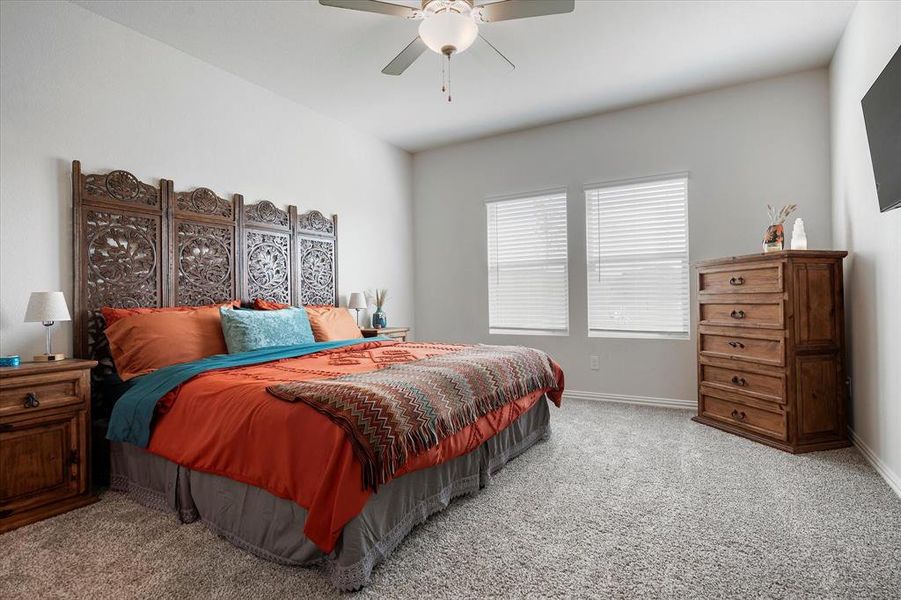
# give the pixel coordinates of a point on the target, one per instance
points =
(873, 268)
(743, 146)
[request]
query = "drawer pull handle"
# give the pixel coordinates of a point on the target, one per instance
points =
(737, 280)
(31, 400)
(738, 416)
(736, 344)
(737, 314)
(739, 381)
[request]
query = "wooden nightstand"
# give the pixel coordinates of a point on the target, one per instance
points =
(397, 333)
(45, 416)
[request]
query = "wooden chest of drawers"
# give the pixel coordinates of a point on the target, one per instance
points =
(45, 415)
(771, 348)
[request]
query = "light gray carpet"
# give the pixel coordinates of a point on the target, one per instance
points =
(622, 502)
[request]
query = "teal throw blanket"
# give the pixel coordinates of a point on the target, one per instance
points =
(133, 412)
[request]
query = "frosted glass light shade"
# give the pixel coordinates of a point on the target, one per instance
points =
(356, 300)
(448, 32)
(47, 306)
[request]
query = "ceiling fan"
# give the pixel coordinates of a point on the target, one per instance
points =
(449, 27)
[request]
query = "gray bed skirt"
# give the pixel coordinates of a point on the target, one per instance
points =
(272, 528)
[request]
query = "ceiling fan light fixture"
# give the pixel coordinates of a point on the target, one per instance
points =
(448, 32)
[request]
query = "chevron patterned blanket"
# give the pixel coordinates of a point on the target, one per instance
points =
(397, 412)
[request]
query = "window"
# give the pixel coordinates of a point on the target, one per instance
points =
(528, 291)
(637, 243)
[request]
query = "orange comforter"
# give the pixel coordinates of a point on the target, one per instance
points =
(225, 422)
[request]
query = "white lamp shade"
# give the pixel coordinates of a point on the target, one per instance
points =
(356, 300)
(47, 306)
(448, 30)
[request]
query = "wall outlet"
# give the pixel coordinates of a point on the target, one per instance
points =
(594, 362)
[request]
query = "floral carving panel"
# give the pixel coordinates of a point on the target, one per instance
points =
(123, 262)
(123, 187)
(267, 213)
(204, 201)
(268, 266)
(317, 271)
(205, 264)
(123, 269)
(315, 222)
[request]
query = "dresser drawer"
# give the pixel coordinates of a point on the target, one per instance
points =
(30, 394)
(768, 351)
(758, 385)
(743, 279)
(735, 314)
(769, 423)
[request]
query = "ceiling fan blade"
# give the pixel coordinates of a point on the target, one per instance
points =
(406, 57)
(376, 6)
(506, 61)
(521, 9)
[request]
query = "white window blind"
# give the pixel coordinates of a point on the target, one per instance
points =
(637, 243)
(527, 265)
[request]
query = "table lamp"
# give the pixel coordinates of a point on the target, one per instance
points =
(357, 301)
(47, 307)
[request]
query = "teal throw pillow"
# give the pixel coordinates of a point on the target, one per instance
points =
(253, 329)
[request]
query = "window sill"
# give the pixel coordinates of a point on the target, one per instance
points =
(502, 331)
(640, 335)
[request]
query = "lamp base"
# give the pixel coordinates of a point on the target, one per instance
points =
(49, 357)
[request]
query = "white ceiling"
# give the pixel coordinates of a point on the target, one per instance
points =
(604, 55)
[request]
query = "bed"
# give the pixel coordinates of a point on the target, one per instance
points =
(224, 449)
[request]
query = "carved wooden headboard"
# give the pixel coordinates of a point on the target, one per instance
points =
(142, 245)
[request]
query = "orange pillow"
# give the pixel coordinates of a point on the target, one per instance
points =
(332, 323)
(260, 304)
(145, 342)
(111, 315)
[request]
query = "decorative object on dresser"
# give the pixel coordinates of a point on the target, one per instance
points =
(357, 301)
(45, 413)
(397, 333)
(378, 297)
(771, 348)
(47, 308)
(799, 235)
(774, 238)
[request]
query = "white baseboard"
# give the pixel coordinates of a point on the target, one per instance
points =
(891, 478)
(626, 399)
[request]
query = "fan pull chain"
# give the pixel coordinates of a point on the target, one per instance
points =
(443, 77)
(448, 79)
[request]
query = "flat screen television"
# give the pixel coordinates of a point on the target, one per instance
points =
(882, 115)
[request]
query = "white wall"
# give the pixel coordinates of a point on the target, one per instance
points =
(873, 268)
(74, 85)
(744, 146)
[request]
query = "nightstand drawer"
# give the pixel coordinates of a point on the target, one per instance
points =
(50, 390)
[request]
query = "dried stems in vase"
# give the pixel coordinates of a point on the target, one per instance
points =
(778, 218)
(774, 238)
(377, 297)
